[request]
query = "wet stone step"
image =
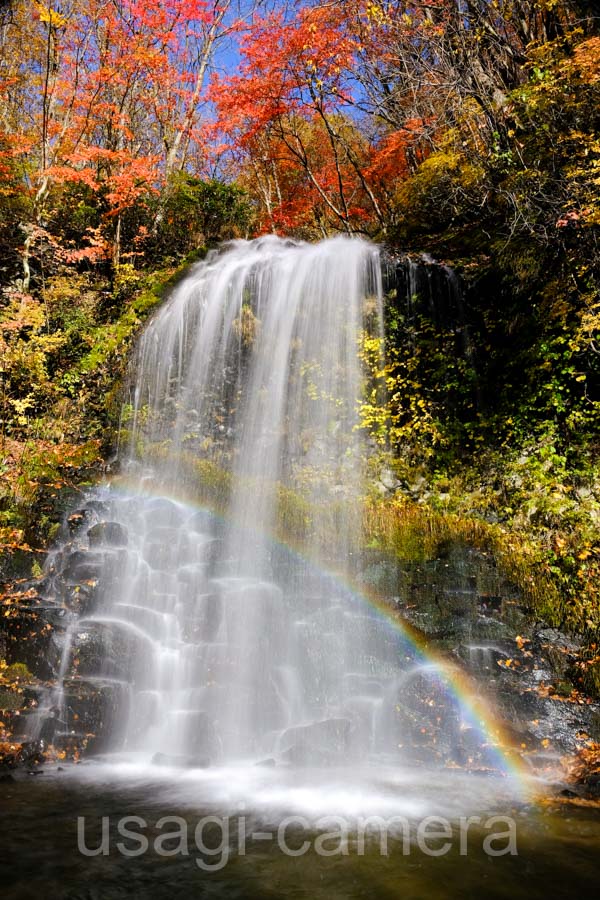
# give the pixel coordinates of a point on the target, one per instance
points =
(82, 565)
(110, 534)
(92, 565)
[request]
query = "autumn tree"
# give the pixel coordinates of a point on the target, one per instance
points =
(101, 104)
(291, 115)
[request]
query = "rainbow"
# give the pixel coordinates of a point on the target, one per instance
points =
(476, 708)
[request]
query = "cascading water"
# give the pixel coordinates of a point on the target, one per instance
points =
(222, 645)
(250, 376)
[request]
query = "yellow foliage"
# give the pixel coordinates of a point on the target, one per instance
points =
(394, 410)
(51, 16)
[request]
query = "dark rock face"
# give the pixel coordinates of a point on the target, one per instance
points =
(35, 632)
(95, 712)
(107, 534)
(32, 636)
(81, 566)
(27, 755)
(77, 519)
(461, 604)
(102, 648)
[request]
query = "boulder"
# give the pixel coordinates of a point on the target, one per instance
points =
(82, 565)
(110, 649)
(108, 534)
(161, 511)
(77, 519)
(316, 743)
(95, 710)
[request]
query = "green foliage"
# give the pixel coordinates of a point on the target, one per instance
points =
(446, 186)
(126, 281)
(17, 672)
(517, 211)
(420, 395)
(196, 213)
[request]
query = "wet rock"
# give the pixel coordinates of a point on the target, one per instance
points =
(164, 511)
(568, 794)
(485, 659)
(107, 649)
(27, 755)
(489, 603)
(546, 637)
(561, 650)
(82, 599)
(538, 718)
(591, 785)
(77, 520)
(98, 506)
(320, 742)
(95, 710)
(29, 640)
(57, 616)
(108, 534)
(51, 724)
(473, 750)
(82, 565)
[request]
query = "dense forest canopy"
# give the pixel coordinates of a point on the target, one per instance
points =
(374, 117)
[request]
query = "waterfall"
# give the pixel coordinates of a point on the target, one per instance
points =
(217, 642)
(245, 386)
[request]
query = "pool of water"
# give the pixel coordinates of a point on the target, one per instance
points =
(260, 832)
